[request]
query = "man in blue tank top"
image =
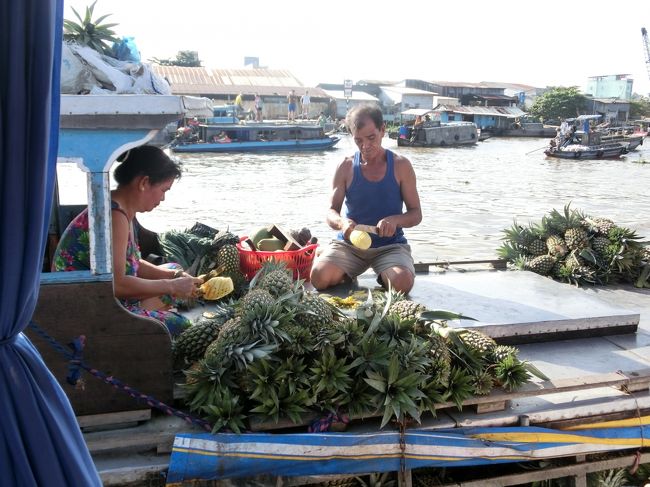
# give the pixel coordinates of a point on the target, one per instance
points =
(378, 188)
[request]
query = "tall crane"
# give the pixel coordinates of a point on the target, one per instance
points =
(646, 46)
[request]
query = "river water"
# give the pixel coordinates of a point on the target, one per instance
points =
(468, 195)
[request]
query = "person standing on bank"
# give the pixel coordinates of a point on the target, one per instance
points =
(377, 188)
(305, 101)
(292, 99)
(258, 107)
(145, 174)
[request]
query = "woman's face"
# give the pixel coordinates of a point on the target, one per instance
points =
(154, 194)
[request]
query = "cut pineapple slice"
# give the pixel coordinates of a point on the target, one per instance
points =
(360, 239)
(216, 288)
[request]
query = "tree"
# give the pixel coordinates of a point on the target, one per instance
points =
(639, 108)
(188, 59)
(559, 103)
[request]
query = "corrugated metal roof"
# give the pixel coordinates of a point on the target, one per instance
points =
(459, 84)
(512, 86)
(507, 112)
(407, 91)
(266, 82)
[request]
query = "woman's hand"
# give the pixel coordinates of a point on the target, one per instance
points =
(185, 286)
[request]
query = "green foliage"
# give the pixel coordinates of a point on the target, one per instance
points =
(187, 59)
(639, 108)
(90, 32)
(559, 103)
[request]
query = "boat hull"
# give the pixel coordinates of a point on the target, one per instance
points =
(612, 151)
(260, 146)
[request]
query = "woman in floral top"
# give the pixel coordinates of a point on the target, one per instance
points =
(143, 177)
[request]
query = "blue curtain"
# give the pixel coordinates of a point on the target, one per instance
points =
(40, 441)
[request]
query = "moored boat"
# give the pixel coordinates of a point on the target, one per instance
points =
(249, 137)
(429, 132)
(579, 151)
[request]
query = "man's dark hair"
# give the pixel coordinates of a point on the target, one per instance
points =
(358, 115)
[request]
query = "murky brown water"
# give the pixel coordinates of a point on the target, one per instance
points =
(469, 195)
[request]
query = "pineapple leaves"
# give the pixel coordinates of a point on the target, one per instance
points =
(441, 314)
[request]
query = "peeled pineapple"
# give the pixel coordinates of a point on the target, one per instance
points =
(216, 288)
(360, 239)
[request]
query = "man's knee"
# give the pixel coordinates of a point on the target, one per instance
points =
(325, 275)
(400, 279)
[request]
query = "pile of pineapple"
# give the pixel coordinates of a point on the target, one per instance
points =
(578, 249)
(282, 352)
(209, 254)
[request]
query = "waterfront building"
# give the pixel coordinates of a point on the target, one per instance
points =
(223, 85)
(610, 86)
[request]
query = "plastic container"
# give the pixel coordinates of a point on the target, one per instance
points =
(299, 261)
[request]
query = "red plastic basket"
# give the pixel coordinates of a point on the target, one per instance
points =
(300, 261)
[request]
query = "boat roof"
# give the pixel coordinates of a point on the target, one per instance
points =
(583, 117)
(417, 111)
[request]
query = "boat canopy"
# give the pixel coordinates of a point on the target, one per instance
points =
(417, 111)
(584, 117)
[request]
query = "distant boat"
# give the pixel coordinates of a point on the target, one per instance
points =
(433, 133)
(254, 137)
(579, 151)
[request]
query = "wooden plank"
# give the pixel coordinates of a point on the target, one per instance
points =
(122, 417)
(579, 469)
(494, 263)
(490, 407)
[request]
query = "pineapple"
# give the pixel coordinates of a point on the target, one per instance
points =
(316, 312)
(599, 244)
(275, 278)
(477, 342)
(406, 309)
(537, 247)
(228, 258)
(556, 245)
(542, 264)
(216, 288)
(600, 226)
(511, 374)
(482, 383)
(232, 332)
(576, 238)
(192, 343)
(501, 352)
(253, 298)
(440, 359)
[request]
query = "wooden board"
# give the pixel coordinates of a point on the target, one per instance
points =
(133, 349)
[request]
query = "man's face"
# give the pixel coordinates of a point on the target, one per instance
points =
(368, 139)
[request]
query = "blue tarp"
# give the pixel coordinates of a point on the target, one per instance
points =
(40, 441)
(221, 456)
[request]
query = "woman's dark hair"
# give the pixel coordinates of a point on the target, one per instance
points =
(146, 160)
(357, 117)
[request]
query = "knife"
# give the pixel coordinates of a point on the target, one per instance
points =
(366, 228)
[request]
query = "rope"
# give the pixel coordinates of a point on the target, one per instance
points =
(324, 424)
(402, 447)
(637, 458)
(76, 363)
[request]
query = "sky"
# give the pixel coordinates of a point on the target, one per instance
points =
(550, 43)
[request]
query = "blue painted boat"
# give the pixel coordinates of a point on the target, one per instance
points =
(253, 137)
